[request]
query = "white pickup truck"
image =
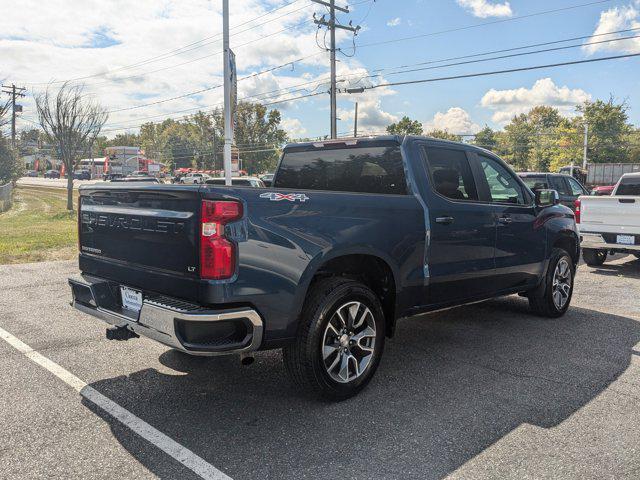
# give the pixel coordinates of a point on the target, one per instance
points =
(610, 224)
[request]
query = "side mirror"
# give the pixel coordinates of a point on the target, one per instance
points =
(547, 198)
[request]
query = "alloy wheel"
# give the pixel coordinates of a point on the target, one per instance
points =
(349, 341)
(562, 281)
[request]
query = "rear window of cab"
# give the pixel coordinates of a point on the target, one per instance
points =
(367, 169)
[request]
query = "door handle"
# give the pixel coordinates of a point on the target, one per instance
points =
(444, 220)
(505, 220)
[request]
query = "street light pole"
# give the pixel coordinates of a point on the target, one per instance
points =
(228, 140)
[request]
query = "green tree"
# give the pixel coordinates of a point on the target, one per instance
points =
(405, 126)
(568, 140)
(258, 136)
(543, 122)
(10, 168)
(124, 140)
(486, 138)
(515, 142)
(444, 135)
(608, 129)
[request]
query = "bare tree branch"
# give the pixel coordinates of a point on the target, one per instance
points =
(72, 123)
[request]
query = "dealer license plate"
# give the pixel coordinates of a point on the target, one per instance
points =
(626, 239)
(131, 299)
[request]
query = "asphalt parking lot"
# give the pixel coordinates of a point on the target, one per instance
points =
(483, 391)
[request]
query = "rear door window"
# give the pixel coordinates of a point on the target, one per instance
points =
(451, 174)
(360, 169)
(629, 186)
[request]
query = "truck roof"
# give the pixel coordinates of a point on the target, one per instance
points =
(376, 139)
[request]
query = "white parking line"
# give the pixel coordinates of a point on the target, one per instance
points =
(182, 454)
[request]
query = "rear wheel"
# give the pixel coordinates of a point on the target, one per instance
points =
(340, 339)
(553, 297)
(594, 258)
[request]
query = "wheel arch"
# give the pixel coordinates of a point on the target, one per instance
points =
(373, 269)
(568, 241)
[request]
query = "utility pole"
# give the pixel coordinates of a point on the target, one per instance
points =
(332, 26)
(228, 135)
(586, 144)
(14, 92)
(355, 122)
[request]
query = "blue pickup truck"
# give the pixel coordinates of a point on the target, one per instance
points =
(353, 235)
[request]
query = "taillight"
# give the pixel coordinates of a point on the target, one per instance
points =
(217, 253)
(578, 204)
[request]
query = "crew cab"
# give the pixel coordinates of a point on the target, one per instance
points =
(354, 235)
(611, 224)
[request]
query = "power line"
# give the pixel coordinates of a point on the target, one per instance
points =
(495, 72)
(189, 94)
(501, 57)
(181, 50)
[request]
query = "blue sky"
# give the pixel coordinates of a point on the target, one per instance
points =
(132, 58)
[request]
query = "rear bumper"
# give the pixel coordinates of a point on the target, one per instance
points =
(598, 241)
(184, 326)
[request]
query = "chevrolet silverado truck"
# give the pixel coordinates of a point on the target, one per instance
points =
(610, 224)
(353, 235)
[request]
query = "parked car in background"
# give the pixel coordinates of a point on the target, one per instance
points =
(352, 236)
(52, 174)
(567, 187)
(267, 179)
(610, 224)
(31, 173)
(602, 190)
(82, 175)
(242, 181)
(192, 177)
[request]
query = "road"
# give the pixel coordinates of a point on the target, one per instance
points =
(483, 391)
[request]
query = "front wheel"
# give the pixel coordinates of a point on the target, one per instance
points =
(340, 339)
(553, 297)
(593, 257)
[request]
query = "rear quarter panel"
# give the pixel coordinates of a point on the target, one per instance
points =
(281, 244)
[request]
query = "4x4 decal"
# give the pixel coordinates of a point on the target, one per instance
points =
(290, 197)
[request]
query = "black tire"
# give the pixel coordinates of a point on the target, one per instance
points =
(304, 360)
(593, 257)
(541, 300)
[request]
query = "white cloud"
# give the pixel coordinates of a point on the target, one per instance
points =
(293, 127)
(485, 8)
(613, 20)
(100, 40)
(507, 103)
(394, 22)
(372, 118)
(455, 120)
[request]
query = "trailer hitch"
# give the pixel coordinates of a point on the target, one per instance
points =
(120, 333)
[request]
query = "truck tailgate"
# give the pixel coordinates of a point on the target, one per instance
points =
(153, 227)
(619, 214)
